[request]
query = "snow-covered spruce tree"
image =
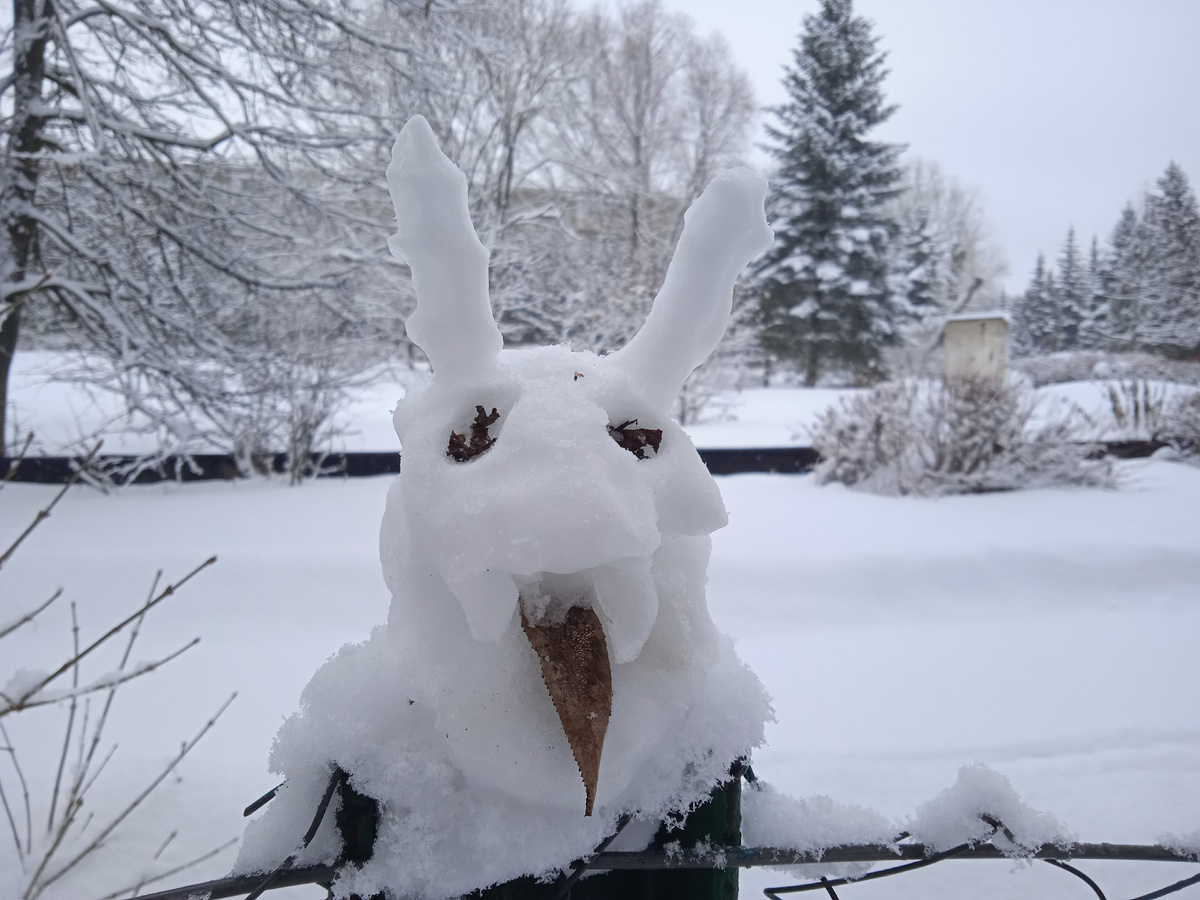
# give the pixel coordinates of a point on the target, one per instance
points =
(1094, 326)
(1151, 273)
(1129, 274)
(1173, 217)
(1035, 314)
(825, 299)
(1073, 292)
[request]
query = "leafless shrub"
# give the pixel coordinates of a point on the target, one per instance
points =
(1139, 405)
(48, 852)
(1084, 365)
(1179, 425)
(929, 438)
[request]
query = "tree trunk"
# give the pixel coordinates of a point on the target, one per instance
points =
(812, 369)
(18, 189)
(9, 329)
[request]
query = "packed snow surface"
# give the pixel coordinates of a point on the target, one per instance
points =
(1047, 634)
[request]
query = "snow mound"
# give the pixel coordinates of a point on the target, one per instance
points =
(813, 825)
(1184, 844)
(536, 484)
(956, 816)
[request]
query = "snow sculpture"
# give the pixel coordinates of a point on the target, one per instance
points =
(549, 662)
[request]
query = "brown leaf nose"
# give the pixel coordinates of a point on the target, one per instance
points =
(578, 675)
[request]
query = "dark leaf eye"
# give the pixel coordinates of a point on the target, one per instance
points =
(636, 440)
(461, 450)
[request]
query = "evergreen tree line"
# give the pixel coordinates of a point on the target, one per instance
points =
(1140, 291)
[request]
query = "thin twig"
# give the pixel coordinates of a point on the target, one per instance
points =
(164, 844)
(12, 755)
(125, 813)
(29, 616)
(12, 822)
(44, 514)
(31, 701)
(15, 464)
(85, 763)
(168, 591)
(62, 759)
(134, 888)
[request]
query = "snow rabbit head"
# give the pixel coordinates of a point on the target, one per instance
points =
(540, 481)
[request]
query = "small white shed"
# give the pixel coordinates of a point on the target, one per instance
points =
(975, 346)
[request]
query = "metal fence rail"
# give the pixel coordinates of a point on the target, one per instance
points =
(215, 466)
(746, 857)
(908, 856)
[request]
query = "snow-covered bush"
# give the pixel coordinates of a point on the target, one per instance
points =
(926, 437)
(1179, 424)
(1139, 406)
(1085, 365)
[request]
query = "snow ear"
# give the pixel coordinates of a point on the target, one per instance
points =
(723, 230)
(453, 321)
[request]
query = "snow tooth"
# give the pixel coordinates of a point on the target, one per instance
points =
(628, 598)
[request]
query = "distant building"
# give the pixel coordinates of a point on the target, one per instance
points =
(976, 346)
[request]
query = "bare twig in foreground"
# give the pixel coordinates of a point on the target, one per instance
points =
(44, 514)
(37, 885)
(28, 698)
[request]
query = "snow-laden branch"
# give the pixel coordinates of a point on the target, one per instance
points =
(26, 689)
(55, 872)
(19, 695)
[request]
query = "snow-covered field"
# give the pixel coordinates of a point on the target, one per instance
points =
(1050, 635)
(67, 418)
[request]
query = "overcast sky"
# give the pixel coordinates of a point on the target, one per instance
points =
(1058, 111)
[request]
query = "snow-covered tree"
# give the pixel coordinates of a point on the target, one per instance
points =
(655, 113)
(944, 260)
(1173, 218)
(825, 297)
(968, 265)
(1127, 277)
(1141, 293)
(168, 170)
(1094, 326)
(1035, 314)
(1073, 292)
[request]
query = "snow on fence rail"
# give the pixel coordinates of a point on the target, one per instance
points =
(217, 466)
(998, 842)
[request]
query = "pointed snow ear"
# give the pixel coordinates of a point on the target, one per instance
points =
(723, 230)
(453, 321)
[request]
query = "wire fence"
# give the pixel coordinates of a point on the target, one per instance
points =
(905, 854)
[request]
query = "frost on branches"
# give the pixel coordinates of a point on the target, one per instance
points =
(547, 500)
(926, 438)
